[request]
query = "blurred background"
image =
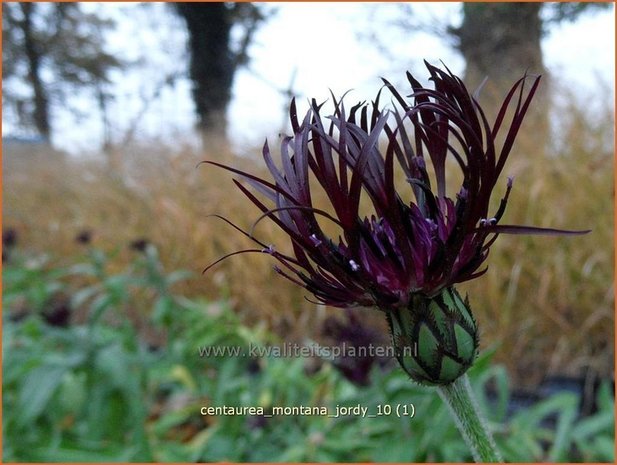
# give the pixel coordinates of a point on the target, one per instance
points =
(107, 110)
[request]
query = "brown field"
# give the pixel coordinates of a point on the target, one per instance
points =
(547, 302)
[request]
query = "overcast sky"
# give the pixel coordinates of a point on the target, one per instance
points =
(321, 43)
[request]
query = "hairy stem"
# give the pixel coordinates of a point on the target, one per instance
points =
(459, 398)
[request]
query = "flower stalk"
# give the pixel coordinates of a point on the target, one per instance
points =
(458, 396)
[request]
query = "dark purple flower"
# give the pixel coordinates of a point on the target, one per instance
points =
(416, 241)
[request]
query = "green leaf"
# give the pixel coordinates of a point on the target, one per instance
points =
(83, 295)
(162, 313)
(533, 416)
(102, 303)
(179, 275)
(605, 449)
(37, 390)
(83, 269)
(606, 400)
(561, 444)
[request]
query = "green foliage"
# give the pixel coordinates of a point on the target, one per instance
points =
(95, 392)
(551, 430)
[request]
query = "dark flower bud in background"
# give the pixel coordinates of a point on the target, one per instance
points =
(58, 311)
(353, 332)
(139, 245)
(9, 238)
(84, 237)
(253, 367)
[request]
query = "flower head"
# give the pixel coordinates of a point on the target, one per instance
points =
(417, 242)
(404, 256)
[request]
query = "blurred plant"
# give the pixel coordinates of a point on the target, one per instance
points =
(31, 284)
(97, 393)
(60, 408)
(123, 298)
(72, 362)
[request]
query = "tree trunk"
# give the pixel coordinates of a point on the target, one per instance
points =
(33, 55)
(501, 41)
(211, 65)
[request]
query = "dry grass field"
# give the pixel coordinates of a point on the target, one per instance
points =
(547, 302)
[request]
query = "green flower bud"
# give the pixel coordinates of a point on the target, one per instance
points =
(435, 339)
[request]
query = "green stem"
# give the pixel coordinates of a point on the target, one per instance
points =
(459, 398)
